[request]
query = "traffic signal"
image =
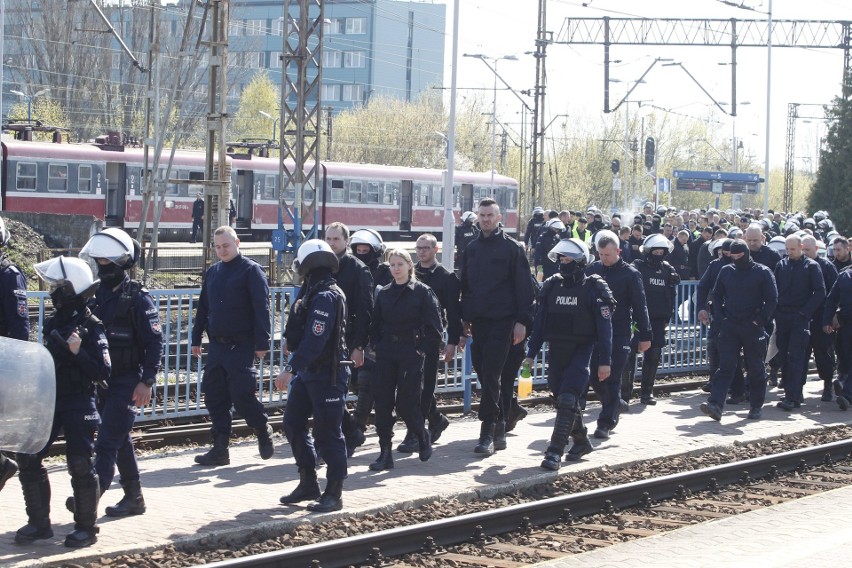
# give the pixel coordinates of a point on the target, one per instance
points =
(615, 166)
(650, 149)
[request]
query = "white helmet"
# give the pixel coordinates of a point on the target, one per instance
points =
(572, 248)
(114, 245)
(735, 233)
(538, 210)
(4, 233)
(368, 237)
(778, 244)
(656, 241)
(604, 233)
(468, 217)
(315, 253)
(555, 224)
(68, 278)
(714, 246)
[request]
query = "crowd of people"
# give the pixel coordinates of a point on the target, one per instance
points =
(377, 322)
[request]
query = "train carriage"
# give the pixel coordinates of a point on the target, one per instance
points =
(106, 180)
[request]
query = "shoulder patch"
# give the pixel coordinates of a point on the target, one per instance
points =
(605, 312)
(318, 328)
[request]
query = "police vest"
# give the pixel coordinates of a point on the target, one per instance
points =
(70, 379)
(124, 349)
(570, 314)
(587, 238)
(658, 288)
(335, 347)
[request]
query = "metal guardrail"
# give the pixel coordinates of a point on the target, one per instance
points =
(179, 383)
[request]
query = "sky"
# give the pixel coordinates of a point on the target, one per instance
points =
(499, 28)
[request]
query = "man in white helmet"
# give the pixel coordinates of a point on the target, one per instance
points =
(14, 320)
(136, 348)
(315, 379)
(78, 344)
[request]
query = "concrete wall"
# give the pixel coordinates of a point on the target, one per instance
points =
(59, 231)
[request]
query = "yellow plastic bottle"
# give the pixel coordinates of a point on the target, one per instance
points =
(525, 382)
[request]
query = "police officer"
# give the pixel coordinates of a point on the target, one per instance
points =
(406, 326)
(445, 285)
(820, 343)
(466, 232)
(136, 347)
(744, 299)
(625, 282)
(496, 305)
(234, 311)
(14, 320)
(759, 251)
(549, 236)
(76, 340)
(660, 280)
(533, 228)
(842, 258)
(837, 317)
(801, 292)
(197, 216)
(721, 250)
(574, 312)
(356, 281)
(317, 382)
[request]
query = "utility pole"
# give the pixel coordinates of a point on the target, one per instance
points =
(329, 124)
(536, 160)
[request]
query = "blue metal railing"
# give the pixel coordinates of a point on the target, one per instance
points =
(179, 383)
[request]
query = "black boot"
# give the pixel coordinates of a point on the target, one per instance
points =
(352, 433)
(331, 499)
(218, 454)
(650, 364)
(364, 404)
(516, 414)
(581, 443)
(385, 459)
(437, 424)
(307, 490)
(131, 504)
(424, 446)
(566, 418)
(408, 444)
(36, 490)
(87, 491)
(499, 436)
(264, 442)
(7, 470)
(486, 439)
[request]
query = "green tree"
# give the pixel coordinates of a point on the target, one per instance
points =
(260, 96)
(834, 176)
(45, 111)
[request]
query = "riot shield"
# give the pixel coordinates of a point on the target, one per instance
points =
(27, 395)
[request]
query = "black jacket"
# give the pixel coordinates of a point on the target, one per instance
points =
(406, 314)
(355, 280)
(625, 282)
(445, 285)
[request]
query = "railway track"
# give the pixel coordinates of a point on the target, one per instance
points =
(551, 528)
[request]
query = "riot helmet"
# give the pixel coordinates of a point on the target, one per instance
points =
(578, 252)
(555, 225)
(70, 280)
(371, 238)
(778, 244)
(468, 217)
(659, 243)
(315, 254)
(116, 246)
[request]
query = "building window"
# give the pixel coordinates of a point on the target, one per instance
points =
(354, 59)
(353, 93)
(332, 26)
(236, 28)
(331, 92)
(355, 191)
(254, 59)
(255, 27)
(57, 177)
(331, 58)
(275, 60)
(84, 179)
(27, 174)
(356, 26)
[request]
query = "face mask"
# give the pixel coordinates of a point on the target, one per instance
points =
(367, 258)
(571, 272)
(655, 260)
(110, 274)
(742, 263)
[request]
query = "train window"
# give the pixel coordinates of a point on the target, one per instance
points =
(308, 194)
(336, 191)
(372, 192)
(84, 179)
(437, 195)
(269, 183)
(391, 193)
(27, 173)
(423, 190)
(355, 191)
(57, 177)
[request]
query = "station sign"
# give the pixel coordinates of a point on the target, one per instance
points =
(717, 182)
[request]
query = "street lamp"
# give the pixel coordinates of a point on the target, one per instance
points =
(274, 124)
(493, 67)
(29, 100)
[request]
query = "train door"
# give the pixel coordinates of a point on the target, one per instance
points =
(116, 194)
(466, 198)
(244, 198)
(406, 194)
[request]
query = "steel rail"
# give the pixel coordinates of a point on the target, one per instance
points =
(444, 532)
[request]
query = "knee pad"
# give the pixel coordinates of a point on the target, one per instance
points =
(80, 466)
(567, 401)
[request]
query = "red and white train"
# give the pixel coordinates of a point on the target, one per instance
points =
(105, 181)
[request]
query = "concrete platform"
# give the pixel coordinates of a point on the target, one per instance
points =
(187, 502)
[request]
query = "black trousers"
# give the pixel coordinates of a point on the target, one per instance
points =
(398, 385)
(492, 341)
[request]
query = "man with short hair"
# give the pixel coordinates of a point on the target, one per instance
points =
(754, 238)
(497, 308)
(841, 253)
(820, 342)
(581, 232)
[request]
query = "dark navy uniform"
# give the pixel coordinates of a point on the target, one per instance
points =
(821, 344)
(315, 336)
(839, 304)
(197, 218)
(801, 292)
(14, 314)
(841, 264)
(234, 310)
(445, 285)
(766, 256)
(572, 317)
(702, 295)
(136, 349)
(533, 229)
(625, 282)
(465, 234)
(496, 293)
(76, 416)
(546, 241)
(744, 300)
(406, 326)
